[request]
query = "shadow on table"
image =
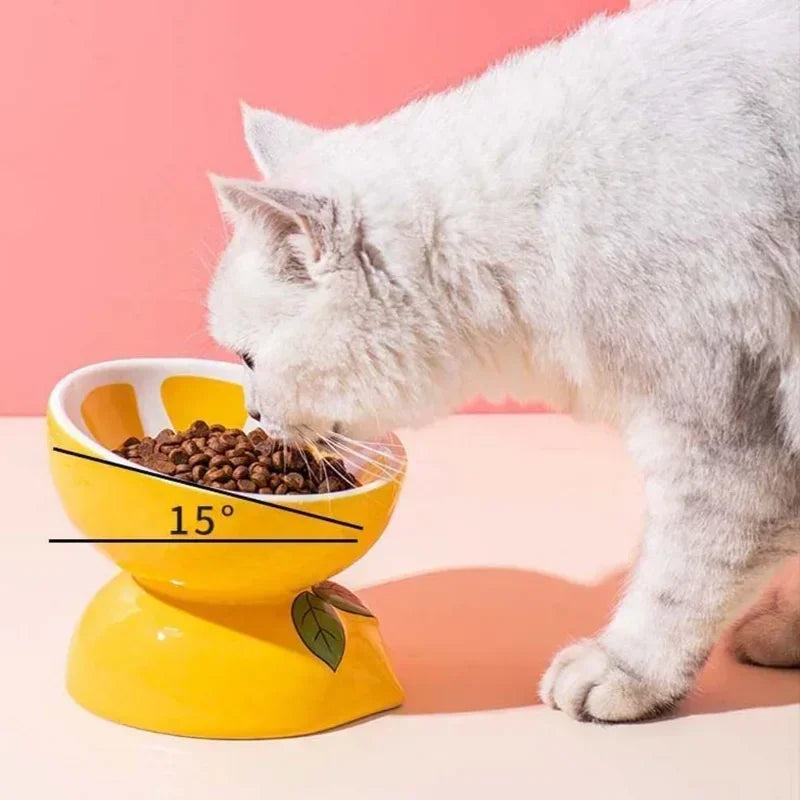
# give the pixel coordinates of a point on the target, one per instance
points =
(479, 639)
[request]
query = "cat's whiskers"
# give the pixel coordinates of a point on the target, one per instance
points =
(342, 476)
(382, 444)
(373, 466)
(331, 447)
(382, 457)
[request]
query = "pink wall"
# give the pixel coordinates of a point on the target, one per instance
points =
(113, 112)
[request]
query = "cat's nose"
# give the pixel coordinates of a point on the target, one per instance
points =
(256, 415)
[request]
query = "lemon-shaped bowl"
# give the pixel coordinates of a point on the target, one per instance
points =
(260, 546)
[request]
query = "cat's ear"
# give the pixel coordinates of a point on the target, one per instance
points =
(281, 210)
(271, 138)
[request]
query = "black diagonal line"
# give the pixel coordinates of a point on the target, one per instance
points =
(203, 541)
(212, 490)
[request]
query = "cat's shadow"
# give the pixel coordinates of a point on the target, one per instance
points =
(480, 638)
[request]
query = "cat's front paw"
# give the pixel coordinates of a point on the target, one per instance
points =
(588, 683)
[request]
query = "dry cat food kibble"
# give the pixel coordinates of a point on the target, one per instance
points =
(227, 458)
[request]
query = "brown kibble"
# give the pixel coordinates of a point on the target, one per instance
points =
(333, 464)
(167, 467)
(294, 460)
(227, 458)
(190, 448)
(198, 428)
(294, 480)
(331, 484)
(266, 447)
(147, 448)
(214, 475)
(178, 456)
(260, 479)
(315, 472)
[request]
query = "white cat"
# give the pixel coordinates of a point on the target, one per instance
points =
(610, 224)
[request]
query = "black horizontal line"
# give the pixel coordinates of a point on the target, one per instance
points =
(203, 541)
(212, 490)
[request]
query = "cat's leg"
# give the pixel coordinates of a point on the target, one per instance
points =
(769, 633)
(716, 530)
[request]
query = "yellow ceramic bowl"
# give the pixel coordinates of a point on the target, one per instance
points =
(226, 633)
(94, 409)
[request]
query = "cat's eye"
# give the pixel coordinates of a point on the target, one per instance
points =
(248, 360)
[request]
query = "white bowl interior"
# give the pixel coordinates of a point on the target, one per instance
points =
(146, 376)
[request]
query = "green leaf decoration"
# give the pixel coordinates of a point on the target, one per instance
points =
(319, 627)
(340, 597)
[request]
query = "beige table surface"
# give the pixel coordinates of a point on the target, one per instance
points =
(510, 538)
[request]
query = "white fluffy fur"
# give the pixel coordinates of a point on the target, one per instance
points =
(609, 224)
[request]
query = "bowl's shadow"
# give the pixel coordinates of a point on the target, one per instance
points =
(478, 639)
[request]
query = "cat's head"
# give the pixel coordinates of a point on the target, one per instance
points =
(319, 296)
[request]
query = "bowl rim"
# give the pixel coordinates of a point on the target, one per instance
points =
(200, 367)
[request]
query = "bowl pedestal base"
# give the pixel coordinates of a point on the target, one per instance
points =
(288, 666)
